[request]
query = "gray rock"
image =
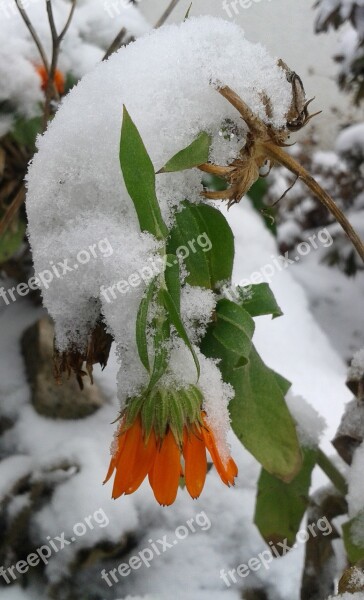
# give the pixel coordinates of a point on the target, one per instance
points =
(50, 399)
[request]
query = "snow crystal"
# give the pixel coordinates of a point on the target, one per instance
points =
(310, 424)
(197, 305)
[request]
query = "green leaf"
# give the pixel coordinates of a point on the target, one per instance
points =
(259, 300)
(11, 240)
(176, 320)
(139, 177)
(257, 194)
(354, 552)
(141, 325)
(194, 155)
(203, 237)
(259, 415)
(235, 331)
(187, 15)
(281, 506)
(283, 383)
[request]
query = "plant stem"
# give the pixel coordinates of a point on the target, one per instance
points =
(166, 14)
(332, 472)
(116, 43)
(280, 156)
(33, 33)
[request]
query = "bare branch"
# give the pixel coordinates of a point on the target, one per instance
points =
(51, 90)
(166, 14)
(51, 22)
(33, 33)
(68, 22)
(116, 43)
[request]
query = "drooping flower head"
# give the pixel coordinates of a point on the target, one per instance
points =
(165, 435)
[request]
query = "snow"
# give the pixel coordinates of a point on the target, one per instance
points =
(350, 142)
(310, 424)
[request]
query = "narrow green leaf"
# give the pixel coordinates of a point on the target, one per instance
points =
(176, 320)
(281, 506)
(187, 15)
(139, 178)
(141, 325)
(203, 237)
(259, 300)
(192, 156)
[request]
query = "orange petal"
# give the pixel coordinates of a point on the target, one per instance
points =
(194, 453)
(226, 473)
(164, 478)
(144, 460)
(116, 457)
(126, 464)
(232, 467)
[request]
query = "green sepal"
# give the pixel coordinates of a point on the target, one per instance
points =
(193, 155)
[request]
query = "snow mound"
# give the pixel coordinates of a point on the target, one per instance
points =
(76, 196)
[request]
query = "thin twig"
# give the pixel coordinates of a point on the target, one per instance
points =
(115, 44)
(68, 22)
(33, 33)
(166, 14)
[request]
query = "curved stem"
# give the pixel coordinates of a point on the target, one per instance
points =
(280, 156)
(332, 472)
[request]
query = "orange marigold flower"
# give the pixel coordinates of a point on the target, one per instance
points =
(59, 80)
(165, 456)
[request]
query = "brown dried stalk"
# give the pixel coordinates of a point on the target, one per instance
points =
(170, 8)
(33, 33)
(51, 92)
(116, 43)
(264, 143)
